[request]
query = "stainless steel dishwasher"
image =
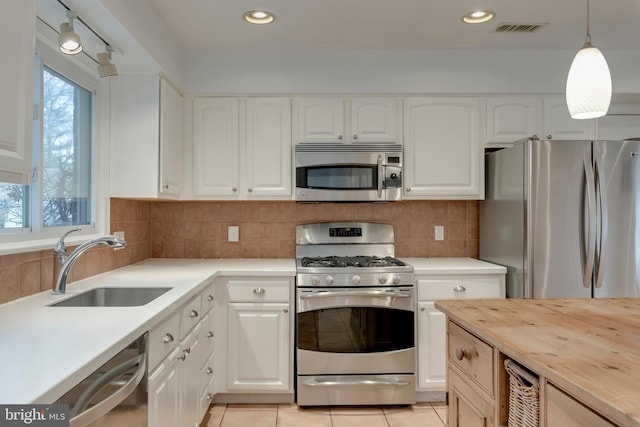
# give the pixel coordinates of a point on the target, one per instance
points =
(115, 394)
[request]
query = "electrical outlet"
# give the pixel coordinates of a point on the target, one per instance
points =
(233, 233)
(119, 234)
(439, 232)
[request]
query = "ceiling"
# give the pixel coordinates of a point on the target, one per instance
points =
(399, 24)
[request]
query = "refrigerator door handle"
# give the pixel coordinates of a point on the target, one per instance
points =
(591, 219)
(602, 228)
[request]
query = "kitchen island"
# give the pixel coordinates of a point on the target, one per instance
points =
(585, 352)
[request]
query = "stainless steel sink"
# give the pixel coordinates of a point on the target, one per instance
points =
(113, 297)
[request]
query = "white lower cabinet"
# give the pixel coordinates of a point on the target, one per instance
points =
(432, 325)
(258, 347)
(254, 348)
(180, 349)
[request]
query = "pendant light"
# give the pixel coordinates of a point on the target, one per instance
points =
(589, 82)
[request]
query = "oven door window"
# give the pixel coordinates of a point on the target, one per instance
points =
(338, 177)
(355, 330)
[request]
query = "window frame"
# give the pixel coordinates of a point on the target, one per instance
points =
(37, 237)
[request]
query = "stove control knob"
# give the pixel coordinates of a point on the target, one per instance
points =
(396, 279)
(355, 280)
(329, 280)
(382, 279)
(315, 280)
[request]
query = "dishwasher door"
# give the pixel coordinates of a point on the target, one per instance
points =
(115, 394)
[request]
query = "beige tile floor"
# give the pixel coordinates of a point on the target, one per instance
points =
(419, 415)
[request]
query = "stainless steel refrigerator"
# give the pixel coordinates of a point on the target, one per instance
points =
(564, 218)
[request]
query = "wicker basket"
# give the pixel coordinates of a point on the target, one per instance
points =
(524, 396)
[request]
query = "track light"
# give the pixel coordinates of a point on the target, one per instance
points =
(68, 40)
(105, 67)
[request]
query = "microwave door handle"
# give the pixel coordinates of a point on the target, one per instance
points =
(380, 176)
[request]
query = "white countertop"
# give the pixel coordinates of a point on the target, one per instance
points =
(453, 266)
(46, 350)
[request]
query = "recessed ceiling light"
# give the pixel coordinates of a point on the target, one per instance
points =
(478, 16)
(259, 17)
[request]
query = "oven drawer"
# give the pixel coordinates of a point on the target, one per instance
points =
(259, 290)
(472, 355)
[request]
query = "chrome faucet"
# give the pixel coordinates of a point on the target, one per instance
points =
(65, 262)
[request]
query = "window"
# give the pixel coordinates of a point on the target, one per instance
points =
(62, 190)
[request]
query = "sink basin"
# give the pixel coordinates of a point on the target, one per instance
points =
(113, 297)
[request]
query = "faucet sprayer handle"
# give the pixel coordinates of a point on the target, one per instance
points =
(60, 248)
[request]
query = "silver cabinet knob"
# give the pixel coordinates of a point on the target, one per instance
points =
(209, 297)
(167, 338)
(460, 353)
(340, 137)
(209, 371)
(209, 334)
(249, 190)
(459, 288)
(209, 397)
(193, 313)
(234, 189)
(422, 309)
(549, 136)
(165, 187)
(285, 311)
(259, 291)
(355, 136)
(408, 189)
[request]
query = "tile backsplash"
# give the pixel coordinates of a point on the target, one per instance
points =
(159, 229)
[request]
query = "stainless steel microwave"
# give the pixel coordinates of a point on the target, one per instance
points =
(348, 172)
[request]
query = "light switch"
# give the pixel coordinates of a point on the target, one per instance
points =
(439, 232)
(234, 233)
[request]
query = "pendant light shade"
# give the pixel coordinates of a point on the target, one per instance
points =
(588, 89)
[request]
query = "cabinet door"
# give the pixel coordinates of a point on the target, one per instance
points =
(432, 348)
(443, 155)
(215, 147)
(267, 148)
(164, 393)
(170, 140)
(16, 90)
(320, 119)
(558, 123)
(191, 359)
(620, 125)
(375, 120)
(258, 355)
(467, 406)
(511, 118)
(564, 411)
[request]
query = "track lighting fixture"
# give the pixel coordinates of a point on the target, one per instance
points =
(105, 67)
(68, 40)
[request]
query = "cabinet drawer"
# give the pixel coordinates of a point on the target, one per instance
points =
(462, 288)
(190, 315)
(162, 339)
(472, 355)
(208, 298)
(564, 411)
(259, 291)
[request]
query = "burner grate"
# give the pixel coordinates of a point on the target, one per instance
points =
(351, 261)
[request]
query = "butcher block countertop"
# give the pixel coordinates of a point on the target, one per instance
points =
(589, 348)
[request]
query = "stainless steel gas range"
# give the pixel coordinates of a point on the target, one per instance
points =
(355, 317)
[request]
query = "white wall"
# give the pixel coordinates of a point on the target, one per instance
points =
(393, 71)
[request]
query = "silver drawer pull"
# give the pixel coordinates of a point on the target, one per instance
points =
(375, 294)
(459, 288)
(210, 297)
(209, 334)
(193, 313)
(187, 350)
(259, 291)
(182, 357)
(314, 383)
(167, 338)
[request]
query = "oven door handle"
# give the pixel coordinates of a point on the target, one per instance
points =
(314, 383)
(375, 294)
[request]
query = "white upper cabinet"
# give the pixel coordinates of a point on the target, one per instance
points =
(558, 124)
(621, 122)
(146, 128)
(348, 120)
(510, 118)
(443, 154)
(18, 22)
(242, 148)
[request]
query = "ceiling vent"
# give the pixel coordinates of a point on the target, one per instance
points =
(518, 27)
